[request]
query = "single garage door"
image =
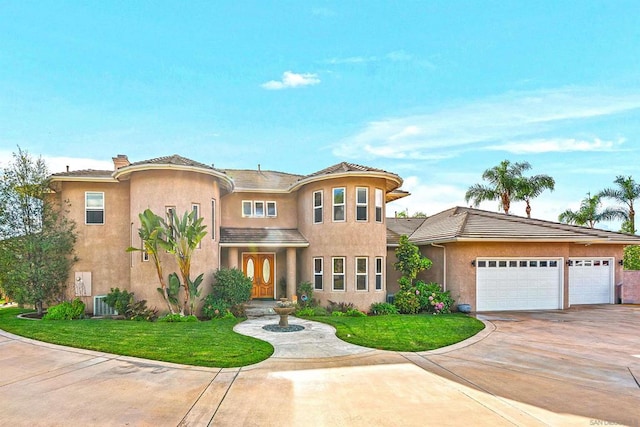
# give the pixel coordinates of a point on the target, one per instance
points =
(590, 281)
(518, 284)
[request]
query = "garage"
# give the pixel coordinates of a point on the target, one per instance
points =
(518, 284)
(590, 281)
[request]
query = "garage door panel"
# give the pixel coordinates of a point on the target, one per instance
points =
(590, 281)
(518, 284)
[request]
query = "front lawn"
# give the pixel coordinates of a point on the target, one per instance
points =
(212, 343)
(404, 332)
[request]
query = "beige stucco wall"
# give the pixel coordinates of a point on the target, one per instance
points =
(461, 275)
(100, 247)
(347, 239)
(157, 189)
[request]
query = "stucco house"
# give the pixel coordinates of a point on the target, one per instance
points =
(328, 227)
(495, 261)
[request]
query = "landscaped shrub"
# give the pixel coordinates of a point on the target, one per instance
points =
(231, 286)
(238, 311)
(305, 312)
(407, 302)
(305, 294)
(119, 300)
(177, 317)
(433, 299)
(66, 311)
(383, 308)
(342, 307)
(138, 310)
(632, 257)
(214, 307)
(355, 313)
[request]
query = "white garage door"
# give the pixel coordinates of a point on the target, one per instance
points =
(590, 281)
(518, 284)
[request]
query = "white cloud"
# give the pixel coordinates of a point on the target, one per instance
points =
(59, 164)
(497, 119)
(292, 80)
(556, 146)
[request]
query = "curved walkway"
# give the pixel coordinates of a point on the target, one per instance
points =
(573, 367)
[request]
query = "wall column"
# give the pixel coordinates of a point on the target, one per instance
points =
(233, 258)
(291, 273)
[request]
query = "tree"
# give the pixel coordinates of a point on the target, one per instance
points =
(410, 260)
(528, 188)
(152, 232)
(626, 192)
(182, 238)
(588, 213)
(503, 179)
(36, 240)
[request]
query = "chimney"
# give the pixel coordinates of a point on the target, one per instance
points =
(120, 161)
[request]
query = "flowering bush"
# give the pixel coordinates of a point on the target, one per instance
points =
(407, 302)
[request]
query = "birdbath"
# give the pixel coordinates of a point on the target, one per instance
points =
(284, 308)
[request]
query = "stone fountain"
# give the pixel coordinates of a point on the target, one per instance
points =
(284, 308)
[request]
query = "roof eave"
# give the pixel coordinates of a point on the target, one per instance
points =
(264, 245)
(127, 170)
(78, 178)
(524, 240)
(387, 176)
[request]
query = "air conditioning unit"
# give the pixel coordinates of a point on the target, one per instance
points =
(100, 308)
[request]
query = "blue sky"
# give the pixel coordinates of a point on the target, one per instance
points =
(435, 91)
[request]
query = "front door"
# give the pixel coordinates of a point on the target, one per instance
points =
(259, 268)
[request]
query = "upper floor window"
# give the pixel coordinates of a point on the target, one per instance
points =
(195, 207)
(213, 219)
(379, 204)
(338, 204)
(271, 209)
(247, 208)
(362, 204)
(362, 275)
(317, 207)
(379, 274)
(259, 209)
(94, 207)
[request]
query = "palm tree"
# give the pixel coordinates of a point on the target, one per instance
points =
(503, 183)
(626, 192)
(532, 187)
(587, 214)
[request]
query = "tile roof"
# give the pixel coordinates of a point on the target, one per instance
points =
(93, 173)
(262, 237)
(397, 227)
(261, 180)
(345, 167)
(467, 224)
(173, 160)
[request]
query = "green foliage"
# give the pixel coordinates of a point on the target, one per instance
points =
(177, 318)
(341, 307)
(407, 302)
(194, 291)
(305, 312)
(119, 300)
(432, 298)
(305, 294)
(355, 313)
(214, 307)
(66, 311)
(231, 286)
(383, 309)
(138, 310)
(632, 257)
(238, 311)
(410, 260)
(338, 314)
(36, 238)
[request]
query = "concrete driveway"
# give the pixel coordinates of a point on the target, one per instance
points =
(573, 367)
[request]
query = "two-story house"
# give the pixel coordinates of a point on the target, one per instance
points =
(280, 229)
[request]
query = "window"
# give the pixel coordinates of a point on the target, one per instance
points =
(338, 204)
(170, 212)
(271, 210)
(338, 274)
(213, 219)
(317, 274)
(196, 210)
(379, 276)
(258, 209)
(317, 207)
(247, 208)
(94, 208)
(362, 276)
(145, 254)
(379, 201)
(362, 204)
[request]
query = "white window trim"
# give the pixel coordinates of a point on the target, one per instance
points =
(379, 273)
(365, 274)
(318, 274)
(343, 204)
(255, 209)
(249, 203)
(380, 205)
(343, 274)
(365, 204)
(319, 207)
(94, 209)
(275, 209)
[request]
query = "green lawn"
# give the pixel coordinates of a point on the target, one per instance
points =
(211, 343)
(404, 332)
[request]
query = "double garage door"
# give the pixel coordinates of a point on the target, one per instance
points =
(536, 284)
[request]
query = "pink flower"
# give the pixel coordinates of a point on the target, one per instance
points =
(430, 298)
(417, 292)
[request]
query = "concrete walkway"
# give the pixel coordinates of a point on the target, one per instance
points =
(574, 367)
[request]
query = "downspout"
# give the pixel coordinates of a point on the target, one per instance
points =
(444, 265)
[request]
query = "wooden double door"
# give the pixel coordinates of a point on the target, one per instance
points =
(260, 268)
